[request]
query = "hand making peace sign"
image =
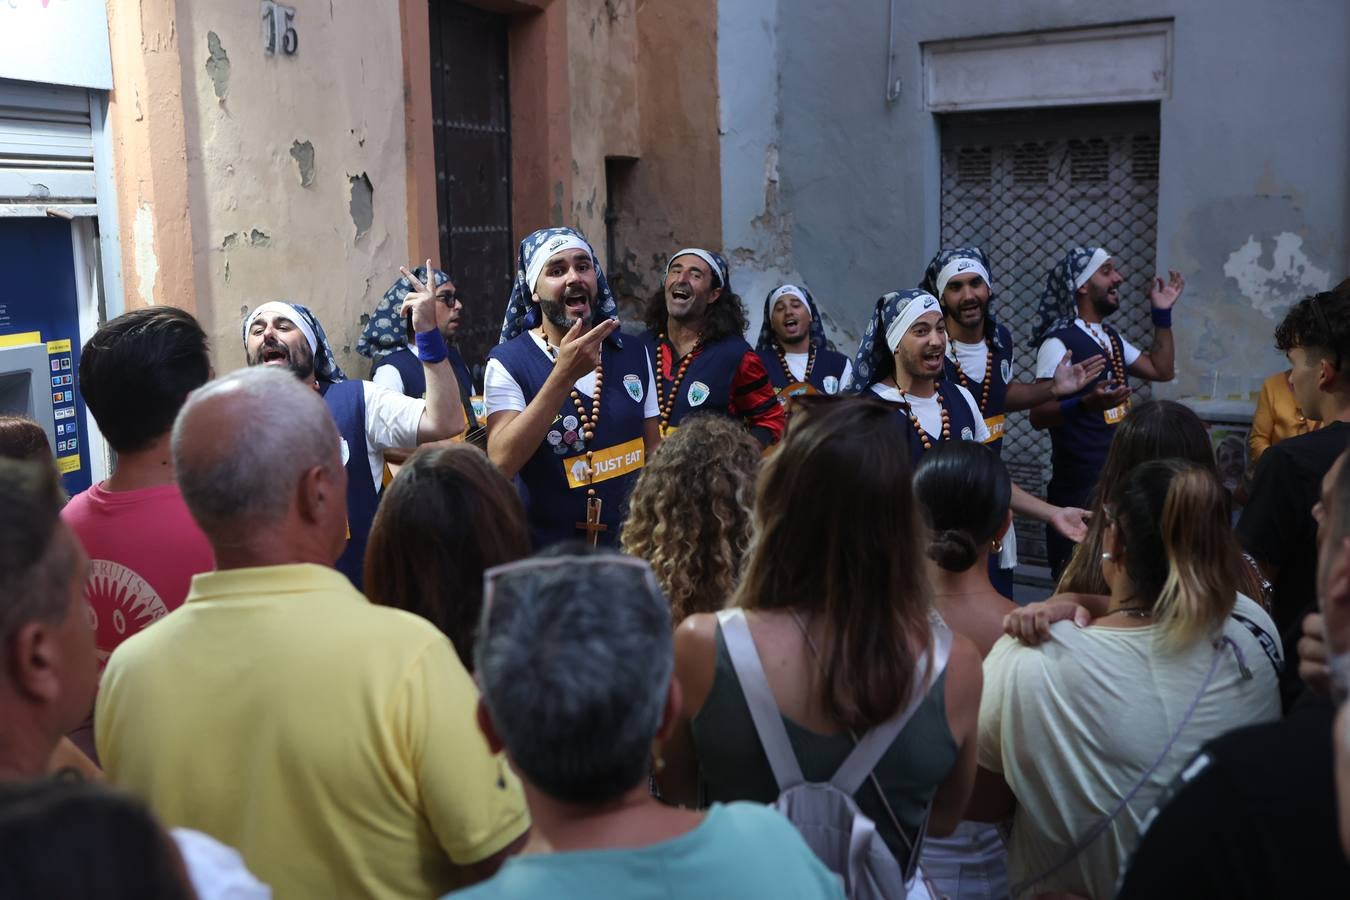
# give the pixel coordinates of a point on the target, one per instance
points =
(421, 301)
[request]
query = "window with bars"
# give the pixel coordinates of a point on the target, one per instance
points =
(1026, 186)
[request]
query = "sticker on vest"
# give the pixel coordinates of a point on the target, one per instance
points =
(608, 463)
(967, 434)
(831, 384)
(346, 451)
(479, 410)
(555, 440)
(570, 424)
(1005, 369)
(995, 424)
(633, 385)
(698, 392)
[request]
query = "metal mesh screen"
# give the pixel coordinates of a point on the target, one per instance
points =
(1027, 186)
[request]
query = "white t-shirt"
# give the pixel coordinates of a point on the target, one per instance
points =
(1073, 724)
(503, 392)
(391, 421)
(929, 412)
(973, 358)
(796, 363)
(1052, 350)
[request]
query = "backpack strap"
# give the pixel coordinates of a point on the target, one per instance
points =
(853, 771)
(764, 712)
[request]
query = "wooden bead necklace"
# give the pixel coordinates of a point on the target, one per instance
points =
(591, 419)
(1112, 351)
(914, 420)
(666, 402)
(988, 375)
(782, 361)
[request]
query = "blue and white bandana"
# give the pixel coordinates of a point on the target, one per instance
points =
(325, 363)
(386, 331)
(717, 261)
(1059, 303)
(522, 313)
(893, 315)
(956, 261)
(768, 341)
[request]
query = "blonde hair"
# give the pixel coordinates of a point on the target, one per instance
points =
(689, 514)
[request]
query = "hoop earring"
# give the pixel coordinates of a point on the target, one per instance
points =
(996, 545)
(1106, 556)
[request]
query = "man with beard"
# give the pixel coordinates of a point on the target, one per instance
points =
(1080, 292)
(980, 359)
(696, 339)
(900, 361)
(793, 348)
(388, 338)
(571, 405)
(370, 419)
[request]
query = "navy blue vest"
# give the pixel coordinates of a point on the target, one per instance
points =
(347, 402)
(1079, 446)
(554, 503)
(707, 383)
(415, 377)
(995, 408)
(828, 364)
(959, 418)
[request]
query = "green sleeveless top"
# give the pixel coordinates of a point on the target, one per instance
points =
(732, 764)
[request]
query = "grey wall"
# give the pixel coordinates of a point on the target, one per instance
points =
(1254, 184)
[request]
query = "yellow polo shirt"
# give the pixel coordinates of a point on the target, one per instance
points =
(330, 741)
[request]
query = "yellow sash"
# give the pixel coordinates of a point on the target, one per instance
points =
(608, 463)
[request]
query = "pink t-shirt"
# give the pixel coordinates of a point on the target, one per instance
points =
(143, 550)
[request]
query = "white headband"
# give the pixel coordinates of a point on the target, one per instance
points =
(703, 255)
(278, 307)
(1099, 256)
(917, 306)
(793, 290)
(548, 251)
(957, 266)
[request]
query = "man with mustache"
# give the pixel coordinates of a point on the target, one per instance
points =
(370, 419)
(696, 338)
(1080, 292)
(571, 404)
(980, 359)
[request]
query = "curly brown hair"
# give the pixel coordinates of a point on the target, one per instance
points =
(689, 515)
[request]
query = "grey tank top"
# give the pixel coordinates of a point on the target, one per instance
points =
(732, 764)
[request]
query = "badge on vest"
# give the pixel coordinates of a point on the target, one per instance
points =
(698, 392)
(608, 463)
(967, 434)
(633, 385)
(831, 384)
(1005, 369)
(995, 424)
(346, 451)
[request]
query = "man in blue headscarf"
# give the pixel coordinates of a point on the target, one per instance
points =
(370, 419)
(1080, 292)
(792, 344)
(571, 405)
(696, 338)
(980, 359)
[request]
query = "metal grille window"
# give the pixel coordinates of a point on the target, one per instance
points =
(1025, 186)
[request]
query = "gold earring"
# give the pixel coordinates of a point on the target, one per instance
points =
(996, 545)
(658, 762)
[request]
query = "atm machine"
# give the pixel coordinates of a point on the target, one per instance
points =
(40, 317)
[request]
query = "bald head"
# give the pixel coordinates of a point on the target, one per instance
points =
(244, 447)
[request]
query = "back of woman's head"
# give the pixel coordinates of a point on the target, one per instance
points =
(75, 839)
(689, 514)
(22, 438)
(448, 516)
(964, 490)
(837, 535)
(1180, 553)
(1154, 429)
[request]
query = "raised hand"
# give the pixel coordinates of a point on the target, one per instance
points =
(1165, 295)
(1070, 379)
(421, 301)
(578, 352)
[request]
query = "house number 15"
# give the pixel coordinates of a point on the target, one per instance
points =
(279, 28)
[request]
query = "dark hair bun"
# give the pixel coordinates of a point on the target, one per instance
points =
(954, 549)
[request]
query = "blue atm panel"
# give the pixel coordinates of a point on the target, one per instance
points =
(39, 310)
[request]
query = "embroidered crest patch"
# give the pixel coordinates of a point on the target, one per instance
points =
(831, 384)
(346, 451)
(698, 392)
(633, 385)
(1005, 369)
(967, 434)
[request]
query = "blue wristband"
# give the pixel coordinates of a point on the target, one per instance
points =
(1069, 407)
(1162, 318)
(431, 346)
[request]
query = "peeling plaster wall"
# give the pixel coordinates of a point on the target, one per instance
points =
(296, 166)
(1254, 196)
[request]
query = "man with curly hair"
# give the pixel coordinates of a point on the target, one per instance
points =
(696, 338)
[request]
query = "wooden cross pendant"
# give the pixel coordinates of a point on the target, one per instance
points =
(592, 526)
